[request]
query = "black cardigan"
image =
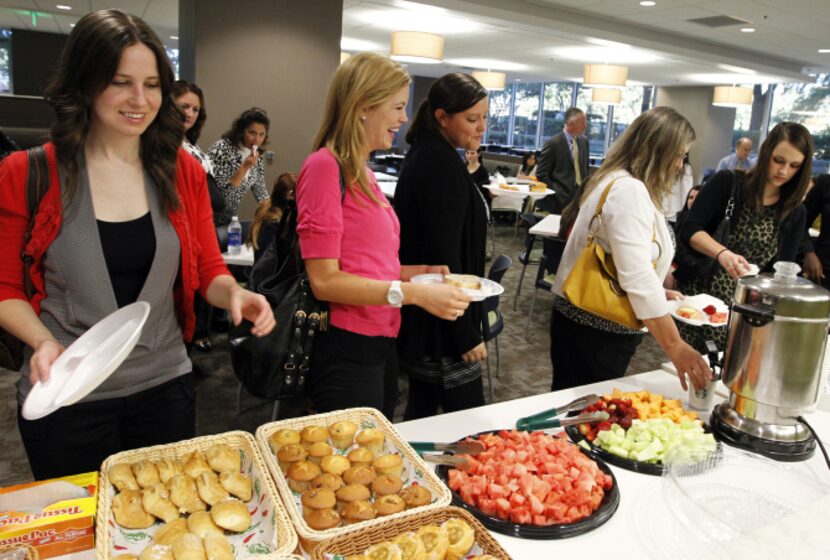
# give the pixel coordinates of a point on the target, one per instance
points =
(709, 208)
(443, 221)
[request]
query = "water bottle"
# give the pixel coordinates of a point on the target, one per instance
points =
(234, 237)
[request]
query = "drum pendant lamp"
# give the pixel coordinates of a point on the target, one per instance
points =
(417, 47)
(732, 96)
(607, 96)
(493, 81)
(605, 75)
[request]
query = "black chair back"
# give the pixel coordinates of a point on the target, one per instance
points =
(496, 273)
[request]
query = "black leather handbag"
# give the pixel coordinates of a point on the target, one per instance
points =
(37, 183)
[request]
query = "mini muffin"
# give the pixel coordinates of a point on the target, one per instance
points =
(361, 456)
(351, 493)
(328, 480)
(389, 504)
(342, 434)
(301, 474)
(359, 474)
(334, 464)
(318, 451)
(389, 464)
(223, 458)
(318, 498)
(355, 512)
(323, 519)
(231, 514)
(415, 496)
(313, 434)
(387, 484)
(372, 439)
(281, 438)
(290, 454)
(237, 484)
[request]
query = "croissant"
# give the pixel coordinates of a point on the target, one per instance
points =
(223, 458)
(217, 547)
(188, 547)
(121, 476)
(168, 469)
(128, 511)
(194, 464)
(156, 552)
(237, 484)
(231, 514)
(156, 501)
(183, 493)
(201, 524)
(146, 473)
(169, 532)
(209, 488)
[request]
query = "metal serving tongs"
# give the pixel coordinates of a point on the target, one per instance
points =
(545, 419)
(457, 448)
(457, 461)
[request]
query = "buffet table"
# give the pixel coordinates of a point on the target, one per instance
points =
(642, 524)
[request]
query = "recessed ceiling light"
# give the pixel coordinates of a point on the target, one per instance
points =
(63, 7)
(747, 30)
(824, 51)
(648, 3)
(174, 37)
(71, 25)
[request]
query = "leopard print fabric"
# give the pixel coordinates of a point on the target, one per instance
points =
(755, 237)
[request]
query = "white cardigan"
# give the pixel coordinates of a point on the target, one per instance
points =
(629, 222)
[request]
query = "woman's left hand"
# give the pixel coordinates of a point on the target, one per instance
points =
(253, 307)
(674, 295)
(812, 268)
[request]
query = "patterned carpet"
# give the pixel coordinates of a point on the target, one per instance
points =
(524, 370)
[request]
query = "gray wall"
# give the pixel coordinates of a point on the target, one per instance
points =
(278, 55)
(713, 125)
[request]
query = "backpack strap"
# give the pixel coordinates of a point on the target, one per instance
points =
(37, 183)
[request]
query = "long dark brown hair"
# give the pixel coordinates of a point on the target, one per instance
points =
(453, 93)
(181, 87)
(271, 210)
(793, 191)
(88, 63)
(236, 133)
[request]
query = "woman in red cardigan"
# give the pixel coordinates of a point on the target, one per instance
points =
(126, 217)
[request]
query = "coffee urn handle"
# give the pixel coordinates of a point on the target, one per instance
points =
(753, 315)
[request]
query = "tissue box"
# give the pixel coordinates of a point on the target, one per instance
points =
(54, 516)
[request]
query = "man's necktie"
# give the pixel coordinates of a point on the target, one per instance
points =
(575, 153)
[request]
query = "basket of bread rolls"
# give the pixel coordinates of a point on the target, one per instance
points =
(207, 498)
(344, 470)
(447, 533)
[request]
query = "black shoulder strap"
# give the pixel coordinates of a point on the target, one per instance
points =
(37, 183)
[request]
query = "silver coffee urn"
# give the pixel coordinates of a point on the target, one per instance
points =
(772, 363)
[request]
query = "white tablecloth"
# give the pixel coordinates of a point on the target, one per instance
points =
(244, 258)
(548, 227)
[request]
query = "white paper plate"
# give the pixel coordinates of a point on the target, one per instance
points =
(88, 361)
(524, 190)
(488, 287)
(698, 302)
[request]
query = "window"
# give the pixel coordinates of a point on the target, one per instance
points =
(5, 61)
(634, 101)
(498, 125)
(526, 115)
(173, 55)
(749, 120)
(808, 104)
(558, 97)
(597, 121)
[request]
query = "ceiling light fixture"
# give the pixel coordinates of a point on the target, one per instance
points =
(747, 30)
(493, 81)
(418, 47)
(732, 96)
(344, 56)
(606, 96)
(648, 3)
(63, 7)
(174, 37)
(824, 51)
(605, 75)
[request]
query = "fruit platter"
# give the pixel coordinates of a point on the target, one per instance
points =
(533, 485)
(641, 430)
(700, 310)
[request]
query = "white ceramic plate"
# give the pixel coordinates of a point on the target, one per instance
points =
(488, 287)
(88, 361)
(698, 302)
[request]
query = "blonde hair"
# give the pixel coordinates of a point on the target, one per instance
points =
(648, 150)
(363, 81)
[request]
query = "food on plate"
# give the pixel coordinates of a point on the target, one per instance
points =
(355, 512)
(157, 552)
(465, 281)
(361, 456)
(372, 439)
(383, 551)
(389, 464)
(416, 495)
(460, 536)
(167, 533)
(283, 437)
(689, 313)
(342, 434)
(188, 547)
(715, 317)
(506, 187)
(359, 474)
(317, 498)
(184, 494)
(202, 524)
(335, 464)
(195, 464)
(223, 458)
(156, 501)
(435, 541)
(387, 484)
(537, 186)
(217, 547)
(168, 468)
(313, 434)
(531, 478)
(231, 514)
(323, 519)
(300, 475)
(146, 473)
(121, 476)
(650, 440)
(318, 450)
(290, 454)
(328, 480)
(129, 512)
(351, 493)
(211, 492)
(237, 483)
(389, 504)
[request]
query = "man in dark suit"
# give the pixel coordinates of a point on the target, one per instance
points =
(563, 165)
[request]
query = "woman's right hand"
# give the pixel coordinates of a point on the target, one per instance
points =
(733, 263)
(442, 300)
(40, 365)
(688, 362)
(251, 160)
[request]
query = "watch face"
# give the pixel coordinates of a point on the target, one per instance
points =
(395, 295)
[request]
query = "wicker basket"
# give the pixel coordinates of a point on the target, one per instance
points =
(282, 541)
(358, 541)
(362, 417)
(28, 552)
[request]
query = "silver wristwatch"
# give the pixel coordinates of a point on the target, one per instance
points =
(394, 296)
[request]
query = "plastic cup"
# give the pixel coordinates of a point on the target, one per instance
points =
(704, 398)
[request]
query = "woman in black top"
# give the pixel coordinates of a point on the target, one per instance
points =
(767, 222)
(817, 203)
(443, 218)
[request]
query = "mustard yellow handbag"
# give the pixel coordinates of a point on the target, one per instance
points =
(592, 284)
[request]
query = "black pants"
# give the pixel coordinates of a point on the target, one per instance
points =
(351, 370)
(425, 398)
(77, 438)
(581, 354)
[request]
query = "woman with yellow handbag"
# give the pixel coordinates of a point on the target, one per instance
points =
(610, 280)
